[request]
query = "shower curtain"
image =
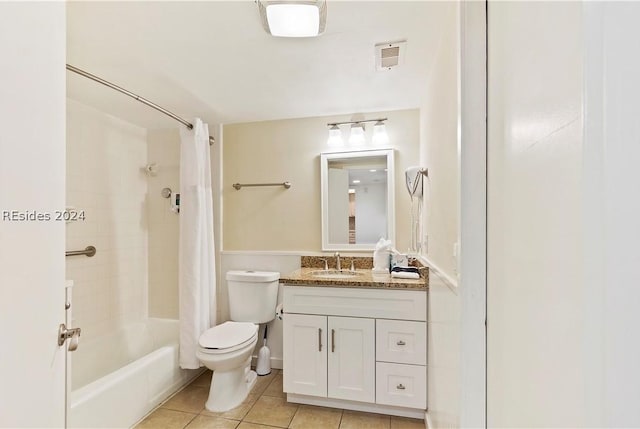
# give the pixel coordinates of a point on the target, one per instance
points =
(197, 284)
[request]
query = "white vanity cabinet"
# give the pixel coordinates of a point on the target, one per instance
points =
(362, 349)
(330, 356)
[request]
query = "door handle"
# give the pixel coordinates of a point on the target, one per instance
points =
(319, 339)
(71, 333)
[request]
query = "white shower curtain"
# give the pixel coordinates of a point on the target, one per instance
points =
(197, 284)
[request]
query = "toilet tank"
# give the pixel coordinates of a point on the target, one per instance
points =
(253, 295)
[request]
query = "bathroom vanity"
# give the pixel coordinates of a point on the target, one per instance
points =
(356, 342)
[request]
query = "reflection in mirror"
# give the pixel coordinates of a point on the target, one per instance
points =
(357, 197)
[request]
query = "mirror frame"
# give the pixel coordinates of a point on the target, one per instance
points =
(324, 180)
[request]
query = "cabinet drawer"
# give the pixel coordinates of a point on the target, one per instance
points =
(356, 302)
(401, 385)
(401, 341)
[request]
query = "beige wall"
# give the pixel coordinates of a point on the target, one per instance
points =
(439, 152)
(105, 156)
(275, 151)
(536, 332)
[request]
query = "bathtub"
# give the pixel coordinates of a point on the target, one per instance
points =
(117, 379)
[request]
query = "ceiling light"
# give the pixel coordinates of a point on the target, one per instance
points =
(335, 136)
(293, 18)
(356, 137)
(380, 136)
(355, 182)
(372, 171)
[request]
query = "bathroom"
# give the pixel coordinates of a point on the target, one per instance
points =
(128, 292)
(271, 104)
(255, 143)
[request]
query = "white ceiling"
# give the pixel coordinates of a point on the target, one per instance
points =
(214, 60)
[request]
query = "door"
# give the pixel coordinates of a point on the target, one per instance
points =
(32, 174)
(351, 369)
(305, 354)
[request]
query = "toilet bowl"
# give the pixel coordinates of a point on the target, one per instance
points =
(226, 350)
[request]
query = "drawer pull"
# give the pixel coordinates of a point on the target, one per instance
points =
(333, 340)
(319, 339)
(400, 387)
(401, 343)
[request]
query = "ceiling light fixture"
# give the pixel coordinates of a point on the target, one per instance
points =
(357, 134)
(293, 18)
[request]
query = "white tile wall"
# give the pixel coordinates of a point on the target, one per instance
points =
(164, 150)
(105, 156)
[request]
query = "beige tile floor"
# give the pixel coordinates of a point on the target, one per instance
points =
(264, 408)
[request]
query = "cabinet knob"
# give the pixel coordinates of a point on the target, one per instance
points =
(401, 343)
(400, 387)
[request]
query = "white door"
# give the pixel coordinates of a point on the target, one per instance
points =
(305, 354)
(351, 359)
(32, 174)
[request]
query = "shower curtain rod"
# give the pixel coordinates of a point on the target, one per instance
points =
(134, 96)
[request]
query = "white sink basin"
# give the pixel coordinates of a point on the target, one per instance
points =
(335, 274)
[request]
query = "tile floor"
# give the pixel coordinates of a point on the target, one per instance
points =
(265, 408)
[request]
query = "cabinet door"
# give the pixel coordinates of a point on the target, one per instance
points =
(351, 372)
(305, 354)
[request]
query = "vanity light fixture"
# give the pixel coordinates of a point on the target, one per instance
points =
(301, 18)
(357, 134)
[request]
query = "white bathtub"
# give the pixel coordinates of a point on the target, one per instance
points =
(119, 378)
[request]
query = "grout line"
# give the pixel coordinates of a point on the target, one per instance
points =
(196, 415)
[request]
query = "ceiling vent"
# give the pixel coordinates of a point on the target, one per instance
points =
(390, 55)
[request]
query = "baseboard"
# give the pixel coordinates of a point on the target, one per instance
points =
(427, 420)
(355, 406)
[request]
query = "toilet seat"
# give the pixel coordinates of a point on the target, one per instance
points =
(227, 337)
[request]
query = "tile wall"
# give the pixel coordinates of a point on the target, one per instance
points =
(105, 179)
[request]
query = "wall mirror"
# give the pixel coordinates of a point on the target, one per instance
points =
(357, 199)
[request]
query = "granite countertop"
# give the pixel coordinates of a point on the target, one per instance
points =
(366, 279)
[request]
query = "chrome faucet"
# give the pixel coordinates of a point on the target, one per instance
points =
(338, 265)
(326, 265)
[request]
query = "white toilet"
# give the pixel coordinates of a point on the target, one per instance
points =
(226, 349)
